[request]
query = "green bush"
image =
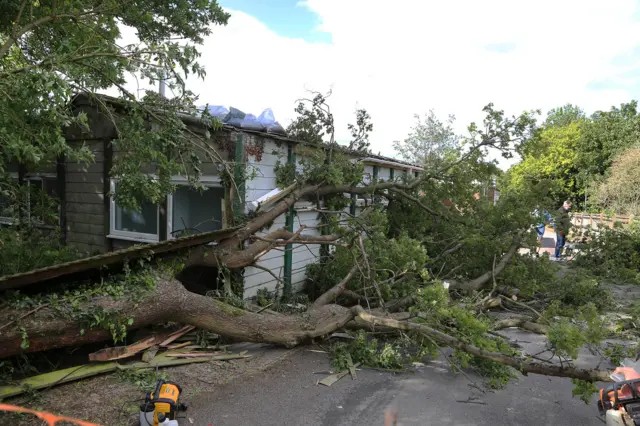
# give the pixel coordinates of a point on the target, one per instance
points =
(613, 255)
(32, 248)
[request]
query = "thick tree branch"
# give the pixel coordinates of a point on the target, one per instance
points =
(482, 280)
(332, 294)
(522, 365)
(417, 201)
(523, 324)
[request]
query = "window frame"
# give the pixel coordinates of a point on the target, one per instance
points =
(210, 181)
(128, 235)
(36, 176)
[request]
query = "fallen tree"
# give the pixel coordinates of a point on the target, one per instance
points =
(169, 301)
(415, 267)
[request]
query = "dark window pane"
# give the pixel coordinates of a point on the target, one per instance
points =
(144, 222)
(197, 211)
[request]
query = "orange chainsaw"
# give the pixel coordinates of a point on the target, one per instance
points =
(619, 402)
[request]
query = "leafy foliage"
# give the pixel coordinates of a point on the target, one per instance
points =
(620, 191)
(143, 379)
(53, 50)
(606, 135)
(313, 123)
(550, 163)
(28, 248)
(613, 254)
(570, 154)
(430, 142)
(360, 132)
(369, 352)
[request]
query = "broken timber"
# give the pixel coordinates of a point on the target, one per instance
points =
(112, 258)
(120, 352)
(55, 378)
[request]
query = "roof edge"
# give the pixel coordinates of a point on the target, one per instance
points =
(85, 98)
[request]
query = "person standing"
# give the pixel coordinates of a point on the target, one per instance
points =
(562, 226)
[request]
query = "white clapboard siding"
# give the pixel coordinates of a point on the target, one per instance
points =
(264, 182)
(255, 278)
(384, 174)
(368, 174)
(265, 175)
(302, 255)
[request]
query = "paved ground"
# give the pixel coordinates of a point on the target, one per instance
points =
(287, 394)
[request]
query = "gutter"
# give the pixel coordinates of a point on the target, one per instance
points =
(403, 166)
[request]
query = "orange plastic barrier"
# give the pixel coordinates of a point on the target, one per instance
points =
(51, 419)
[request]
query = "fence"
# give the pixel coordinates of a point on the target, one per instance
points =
(597, 221)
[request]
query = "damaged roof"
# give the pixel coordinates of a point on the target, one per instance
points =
(85, 99)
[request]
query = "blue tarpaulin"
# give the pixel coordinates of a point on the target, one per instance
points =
(265, 122)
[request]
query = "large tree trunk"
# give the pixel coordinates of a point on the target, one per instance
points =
(170, 301)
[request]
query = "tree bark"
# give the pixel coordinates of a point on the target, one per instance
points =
(170, 301)
(331, 295)
(482, 280)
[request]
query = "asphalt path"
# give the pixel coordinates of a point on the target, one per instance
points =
(287, 394)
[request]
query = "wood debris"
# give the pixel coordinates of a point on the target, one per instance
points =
(351, 367)
(150, 353)
(67, 375)
(120, 352)
(179, 345)
(173, 336)
(192, 354)
(329, 380)
(208, 357)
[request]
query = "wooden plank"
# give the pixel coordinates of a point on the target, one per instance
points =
(80, 372)
(57, 377)
(119, 352)
(209, 356)
(179, 345)
(107, 259)
(173, 336)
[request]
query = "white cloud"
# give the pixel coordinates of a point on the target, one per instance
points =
(408, 56)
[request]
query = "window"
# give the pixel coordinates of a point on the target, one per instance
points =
(43, 206)
(134, 225)
(194, 211)
(190, 211)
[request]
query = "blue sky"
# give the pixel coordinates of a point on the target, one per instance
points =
(286, 18)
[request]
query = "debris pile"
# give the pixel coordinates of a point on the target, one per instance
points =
(157, 351)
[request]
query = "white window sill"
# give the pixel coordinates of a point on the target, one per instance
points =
(133, 238)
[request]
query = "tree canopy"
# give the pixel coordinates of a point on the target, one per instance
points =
(571, 153)
(50, 51)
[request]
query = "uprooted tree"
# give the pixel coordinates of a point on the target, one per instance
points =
(427, 266)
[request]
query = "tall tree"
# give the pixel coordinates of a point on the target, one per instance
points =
(549, 163)
(564, 115)
(430, 141)
(620, 192)
(51, 50)
(606, 135)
